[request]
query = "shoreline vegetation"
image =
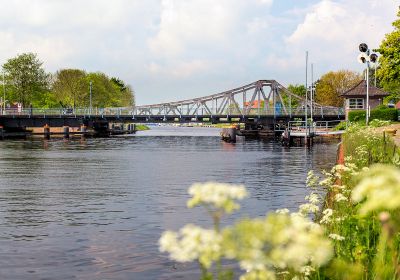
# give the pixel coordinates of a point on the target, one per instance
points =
(352, 231)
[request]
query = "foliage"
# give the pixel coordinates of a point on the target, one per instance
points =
(388, 114)
(27, 81)
(70, 88)
(341, 126)
(332, 84)
(141, 127)
(299, 90)
(106, 93)
(389, 60)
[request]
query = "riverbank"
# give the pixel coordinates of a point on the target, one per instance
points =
(361, 207)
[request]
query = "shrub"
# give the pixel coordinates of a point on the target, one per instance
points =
(386, 114)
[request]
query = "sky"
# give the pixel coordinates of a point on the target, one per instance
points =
(170, 50)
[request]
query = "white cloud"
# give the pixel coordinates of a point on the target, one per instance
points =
(186, 23)
(331, 31)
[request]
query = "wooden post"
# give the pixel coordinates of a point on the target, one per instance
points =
(66, 132)
(46, 131)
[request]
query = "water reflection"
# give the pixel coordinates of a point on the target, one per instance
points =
(95, 208)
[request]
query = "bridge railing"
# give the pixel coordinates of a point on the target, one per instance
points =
(140, 111)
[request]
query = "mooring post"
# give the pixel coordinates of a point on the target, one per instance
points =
(83, 131)
(46, 131)
(66, 132)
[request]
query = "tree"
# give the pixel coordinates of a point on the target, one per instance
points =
(127, 95)
(70, 87)
(332, 84)
(26, 78)
(299, 90)
(389, 60)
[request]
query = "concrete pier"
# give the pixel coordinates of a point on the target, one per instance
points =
(229, 134)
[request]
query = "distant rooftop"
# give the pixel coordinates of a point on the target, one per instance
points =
(361, 90)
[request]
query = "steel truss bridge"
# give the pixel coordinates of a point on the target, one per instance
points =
(263, 101)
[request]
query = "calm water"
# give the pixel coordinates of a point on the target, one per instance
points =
(95, 209)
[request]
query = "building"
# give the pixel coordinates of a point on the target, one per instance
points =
(356, 97)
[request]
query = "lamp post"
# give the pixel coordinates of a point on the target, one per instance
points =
(90, 98)
(4, 94)
(366, 57)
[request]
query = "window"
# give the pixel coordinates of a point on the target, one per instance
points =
(356, 103)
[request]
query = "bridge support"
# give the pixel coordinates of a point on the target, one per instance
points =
(66, 132)
(46, 131)
(1, 133)
(83, 130)
(229, 134)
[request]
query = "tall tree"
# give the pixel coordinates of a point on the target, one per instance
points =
(299, 90)
(332, 84)
(26, 77)
(125, 92)
(389, 60)
(70, 87)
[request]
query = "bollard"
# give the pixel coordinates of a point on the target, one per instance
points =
(66, 132)
(46, 131)
(83, 131)
(1, 132)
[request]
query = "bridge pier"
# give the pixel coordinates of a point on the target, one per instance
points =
(83, 129)
(66, 132)
(46, 131)
(229, 134)
(1, 133)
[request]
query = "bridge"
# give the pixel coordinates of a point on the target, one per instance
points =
(264, 102)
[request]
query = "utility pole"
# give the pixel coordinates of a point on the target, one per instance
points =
(90, 100)
(4, 94)
(312, 89)
(306, 105)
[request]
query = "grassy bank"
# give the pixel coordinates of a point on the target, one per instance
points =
(141, 127)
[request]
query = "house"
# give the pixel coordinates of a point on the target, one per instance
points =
(356, 97)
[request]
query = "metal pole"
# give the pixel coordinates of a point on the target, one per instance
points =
(312, 89)
(90, 100)
(4, 94)
(306, 111)
(367, 111)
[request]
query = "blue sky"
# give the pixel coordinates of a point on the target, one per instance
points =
(178, 49)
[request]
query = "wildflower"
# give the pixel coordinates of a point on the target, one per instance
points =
(313, 198)
(380, 188)
(308, 208)
(326, 219)
(340, 197)
(192, 243)
(312, 179)
(282, 211)
(217, 195)
(280, 242)
(336, 237)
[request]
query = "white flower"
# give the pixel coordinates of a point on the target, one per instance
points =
(340, 197)
(380, 188)
(336, 237)
(282, 211)
(192, 243)
(313, 198)
(220, 196)
(308, 208)
(326, 219)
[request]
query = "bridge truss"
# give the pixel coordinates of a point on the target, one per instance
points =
(260, 98)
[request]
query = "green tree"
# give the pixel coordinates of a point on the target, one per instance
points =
(332, 84)
(389, 60)
(299, 90)
(26, 78)
(70, 87)
(126, 93)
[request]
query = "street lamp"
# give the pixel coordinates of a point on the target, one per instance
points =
(4, 94)
(90, 98)
(366, 57)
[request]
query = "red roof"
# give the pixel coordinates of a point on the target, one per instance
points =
(360, 89)
(397, 105)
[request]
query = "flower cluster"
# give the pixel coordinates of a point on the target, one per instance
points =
(380, 188)
(279, 242)
(192, 243)
(216, 195)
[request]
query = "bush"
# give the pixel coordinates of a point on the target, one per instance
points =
(386, 114)
(355, 116)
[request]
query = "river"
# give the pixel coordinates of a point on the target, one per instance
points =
(95, 208)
